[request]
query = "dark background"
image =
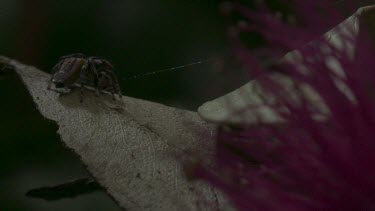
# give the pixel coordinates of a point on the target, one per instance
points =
(137, 36)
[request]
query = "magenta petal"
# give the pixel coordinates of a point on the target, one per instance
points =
(304, 163)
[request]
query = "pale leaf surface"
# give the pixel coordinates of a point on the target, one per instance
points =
(130, 146)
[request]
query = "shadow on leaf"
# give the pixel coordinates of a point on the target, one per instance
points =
(66, 190)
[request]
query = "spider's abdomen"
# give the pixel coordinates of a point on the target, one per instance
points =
(69, 71)
(91, 71)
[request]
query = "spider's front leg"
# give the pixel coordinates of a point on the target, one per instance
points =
(54, 70)
(74, 55)
(114, 83)
(107, 68)
(83, 75)
(106, 82)
(94, 71)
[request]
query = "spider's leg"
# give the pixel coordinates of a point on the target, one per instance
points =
(114, 82)
(82, 77)
(105, 70)
(104, 61)
(111, 88)
(99, 81)
(102, 81)
(54, 70)
(75, 55)
(92, 68)
(81, 93)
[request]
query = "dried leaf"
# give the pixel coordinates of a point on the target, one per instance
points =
(129, 145)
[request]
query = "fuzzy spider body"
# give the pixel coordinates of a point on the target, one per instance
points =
(68, 72)
(86, 71)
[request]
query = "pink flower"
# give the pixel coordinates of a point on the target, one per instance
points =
(321, 156)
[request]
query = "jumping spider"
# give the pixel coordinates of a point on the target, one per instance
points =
(86, 71)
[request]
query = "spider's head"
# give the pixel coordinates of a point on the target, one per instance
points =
(60, 79)
(60, 85)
